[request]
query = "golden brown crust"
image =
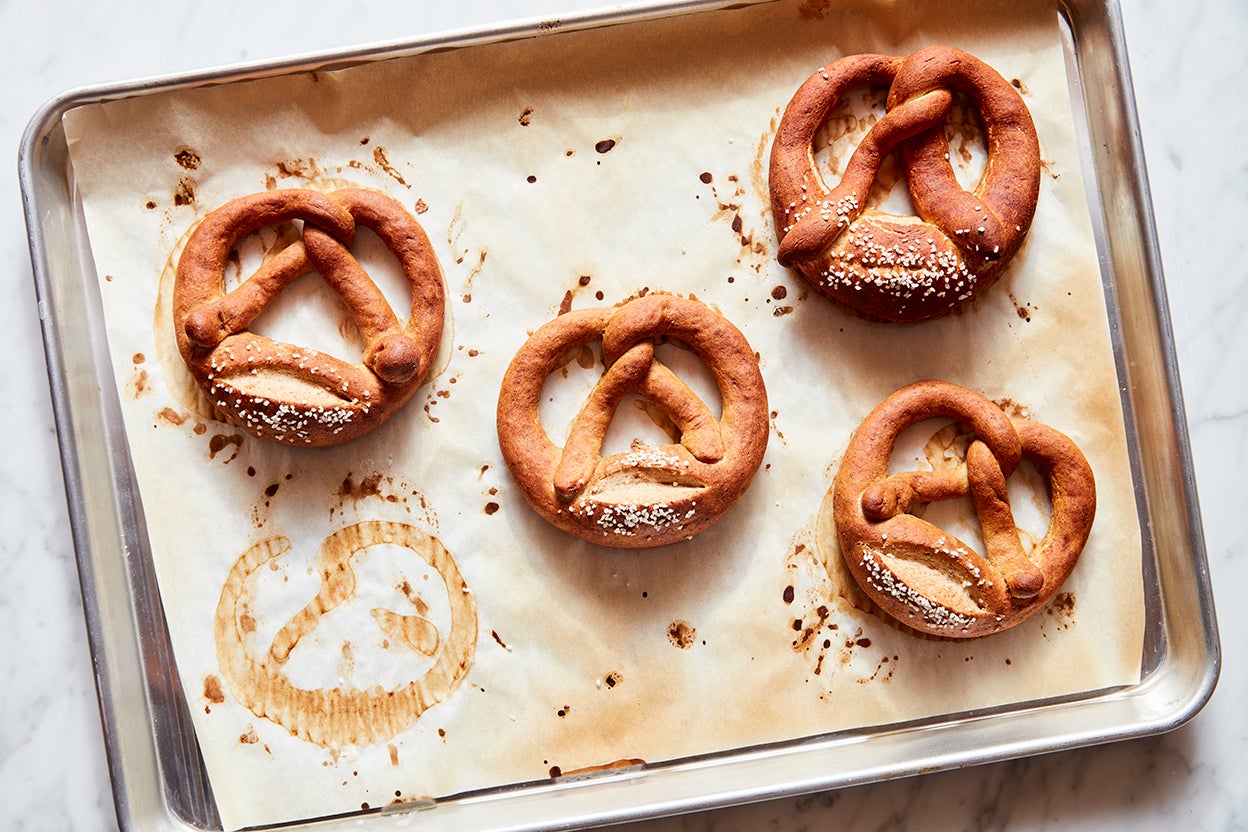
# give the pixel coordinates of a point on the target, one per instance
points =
(646, 496)
(926, 578)
(283, 392)
(905, 268)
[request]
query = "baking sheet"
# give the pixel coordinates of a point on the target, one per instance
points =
(565, 629)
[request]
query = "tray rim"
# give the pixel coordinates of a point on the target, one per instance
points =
(133, 759)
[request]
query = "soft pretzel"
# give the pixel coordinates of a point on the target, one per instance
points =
(646, 496)
(926, 578)
(905, 268)
(283, 392)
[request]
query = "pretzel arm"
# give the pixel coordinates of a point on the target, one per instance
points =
(699, 429)
(816, 230)
(990, 220)
(896, 494)
(389, 351)
(212, 322)
(1072, 496)
(996, 520)
(584, 446)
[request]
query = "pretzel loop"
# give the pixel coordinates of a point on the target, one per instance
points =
(927, 578)
(280, 391)
(898, 268)
(646, 496)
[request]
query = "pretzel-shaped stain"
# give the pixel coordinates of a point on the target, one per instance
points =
(904, 268)
(280, 391)
(646, 496)
(926, 578)
(337, 717)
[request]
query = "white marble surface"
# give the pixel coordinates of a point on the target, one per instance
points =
(1188, 63)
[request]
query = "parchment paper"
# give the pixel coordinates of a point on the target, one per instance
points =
(581, 168)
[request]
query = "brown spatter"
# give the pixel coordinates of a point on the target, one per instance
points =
(555, 771)
(808, 630)
(138, 358)
(612, 679)
(497, 638)
(250, 738)
(1020, 86)
(271, 490)
(187, 157)
(681, 634)
(562, 713)
(173, 417)
(247, 623)
(364, 141)
(884, 670)
(781, 311)
(779, 292)
(421, 206)
(149, 205)
(394, 754)
(379, 156)
(213, 691)
(788, 594)
(1013, 409)
(298, 168)
(466, 294)
(1023, 310)
(200, 429)
(605, 146)
(565, 305)
(369, 486)
(526, 116)
(219, 442)
(139, 381)
(1062, 605)
(491, 507)
(706, 177)
(184, 193)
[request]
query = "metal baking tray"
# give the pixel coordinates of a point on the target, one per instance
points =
(158, 778)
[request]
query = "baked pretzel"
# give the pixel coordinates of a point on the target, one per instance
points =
(646, 496)
(926, 578)
(905, 268)
(283, 392)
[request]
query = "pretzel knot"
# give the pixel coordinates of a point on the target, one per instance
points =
(282, 392)
(905, 268)
(646, 496)
(927, 578)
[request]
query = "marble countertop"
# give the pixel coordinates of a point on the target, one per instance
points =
(1186, 61)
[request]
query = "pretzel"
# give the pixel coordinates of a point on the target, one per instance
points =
(646, 496)
(905, 268)
(280, 391)
(926, 578)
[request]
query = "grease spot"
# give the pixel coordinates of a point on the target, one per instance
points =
(681, 634)
(187, 157)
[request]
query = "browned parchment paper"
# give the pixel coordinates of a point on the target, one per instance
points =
(580, 168)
